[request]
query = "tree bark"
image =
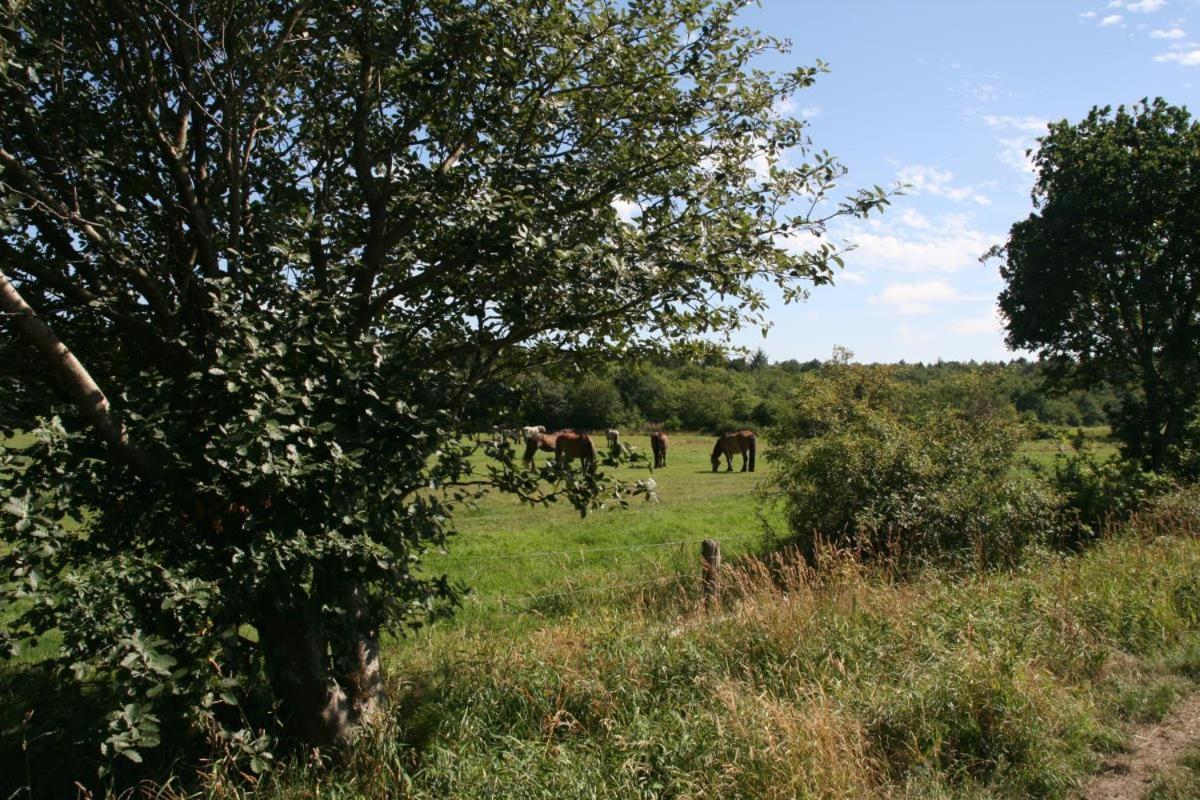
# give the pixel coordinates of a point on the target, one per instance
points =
(296, 651)
(359, 664)
(328, 686)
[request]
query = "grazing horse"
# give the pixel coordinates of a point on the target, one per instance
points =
(570, 445)
(734, 442)
(504, 434)
(539, 441)
(658, 446)
(613, 436)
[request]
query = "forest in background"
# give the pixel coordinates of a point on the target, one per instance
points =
(717, 393)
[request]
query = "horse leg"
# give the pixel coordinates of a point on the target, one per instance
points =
(729, 462)
(745, 458)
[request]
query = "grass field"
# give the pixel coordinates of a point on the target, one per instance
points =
(839, 685)
(583, 664)
(1043, 452)
(523, 565)
(507, 552)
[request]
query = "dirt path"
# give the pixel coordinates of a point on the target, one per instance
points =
(1127, 776)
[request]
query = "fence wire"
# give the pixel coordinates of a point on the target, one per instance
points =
(583, 551)
(504, 601)
(515, 601)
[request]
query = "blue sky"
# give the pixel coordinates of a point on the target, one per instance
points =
(946, 95)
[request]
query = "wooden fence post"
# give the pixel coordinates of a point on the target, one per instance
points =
(710, 555)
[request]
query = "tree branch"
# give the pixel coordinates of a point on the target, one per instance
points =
(87, 394)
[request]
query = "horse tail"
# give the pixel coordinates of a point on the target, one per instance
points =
(753, 440)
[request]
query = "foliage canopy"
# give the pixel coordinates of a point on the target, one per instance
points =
(1104, 276)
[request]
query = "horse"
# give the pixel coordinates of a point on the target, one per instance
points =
(539, 441)
(734, 442)
(569, 445)
(658, 446)
(529, 431)
(613, 436)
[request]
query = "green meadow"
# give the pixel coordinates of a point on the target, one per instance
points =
(523, 561)
(520, 560)
(584, 663)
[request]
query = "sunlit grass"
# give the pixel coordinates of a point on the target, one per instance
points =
(507, 551)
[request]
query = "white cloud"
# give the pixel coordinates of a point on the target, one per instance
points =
(1017, 153)
(1184, 58)
(1145, 6)
(989, 323)
(925, 179)
(1111, 19)
(1014, 149)
(985, 92)
(625, 209)
(945, 245)
(1172, 33)
(1088, 14)
(1029, 124)
(914, 219)
(851, 276)
(915, 298)
(786, 106)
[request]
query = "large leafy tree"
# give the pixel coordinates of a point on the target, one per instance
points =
(256, 257)
(1103, 278)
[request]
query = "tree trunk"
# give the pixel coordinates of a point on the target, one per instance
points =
(328, 686)
(1155, 423)
(296, 651)
(358, 660)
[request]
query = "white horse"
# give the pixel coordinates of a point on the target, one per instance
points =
(614, 436)
(532, 431)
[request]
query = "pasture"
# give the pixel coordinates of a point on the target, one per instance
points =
(508, 552)
(524, 565)
(582, 664)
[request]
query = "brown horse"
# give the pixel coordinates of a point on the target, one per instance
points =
(734, 442)
(542, 441)
(658, 446)
(570, 445)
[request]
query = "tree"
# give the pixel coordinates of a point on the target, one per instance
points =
(255, 259)
(1104, 277)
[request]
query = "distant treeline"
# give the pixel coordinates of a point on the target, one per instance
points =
(718, 393)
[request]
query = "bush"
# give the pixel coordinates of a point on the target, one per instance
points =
(1094, 493)
(864, 462)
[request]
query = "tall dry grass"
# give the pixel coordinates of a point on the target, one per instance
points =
(833, 683)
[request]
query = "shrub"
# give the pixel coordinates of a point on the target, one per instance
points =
(866, 463)
(1096, 493)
